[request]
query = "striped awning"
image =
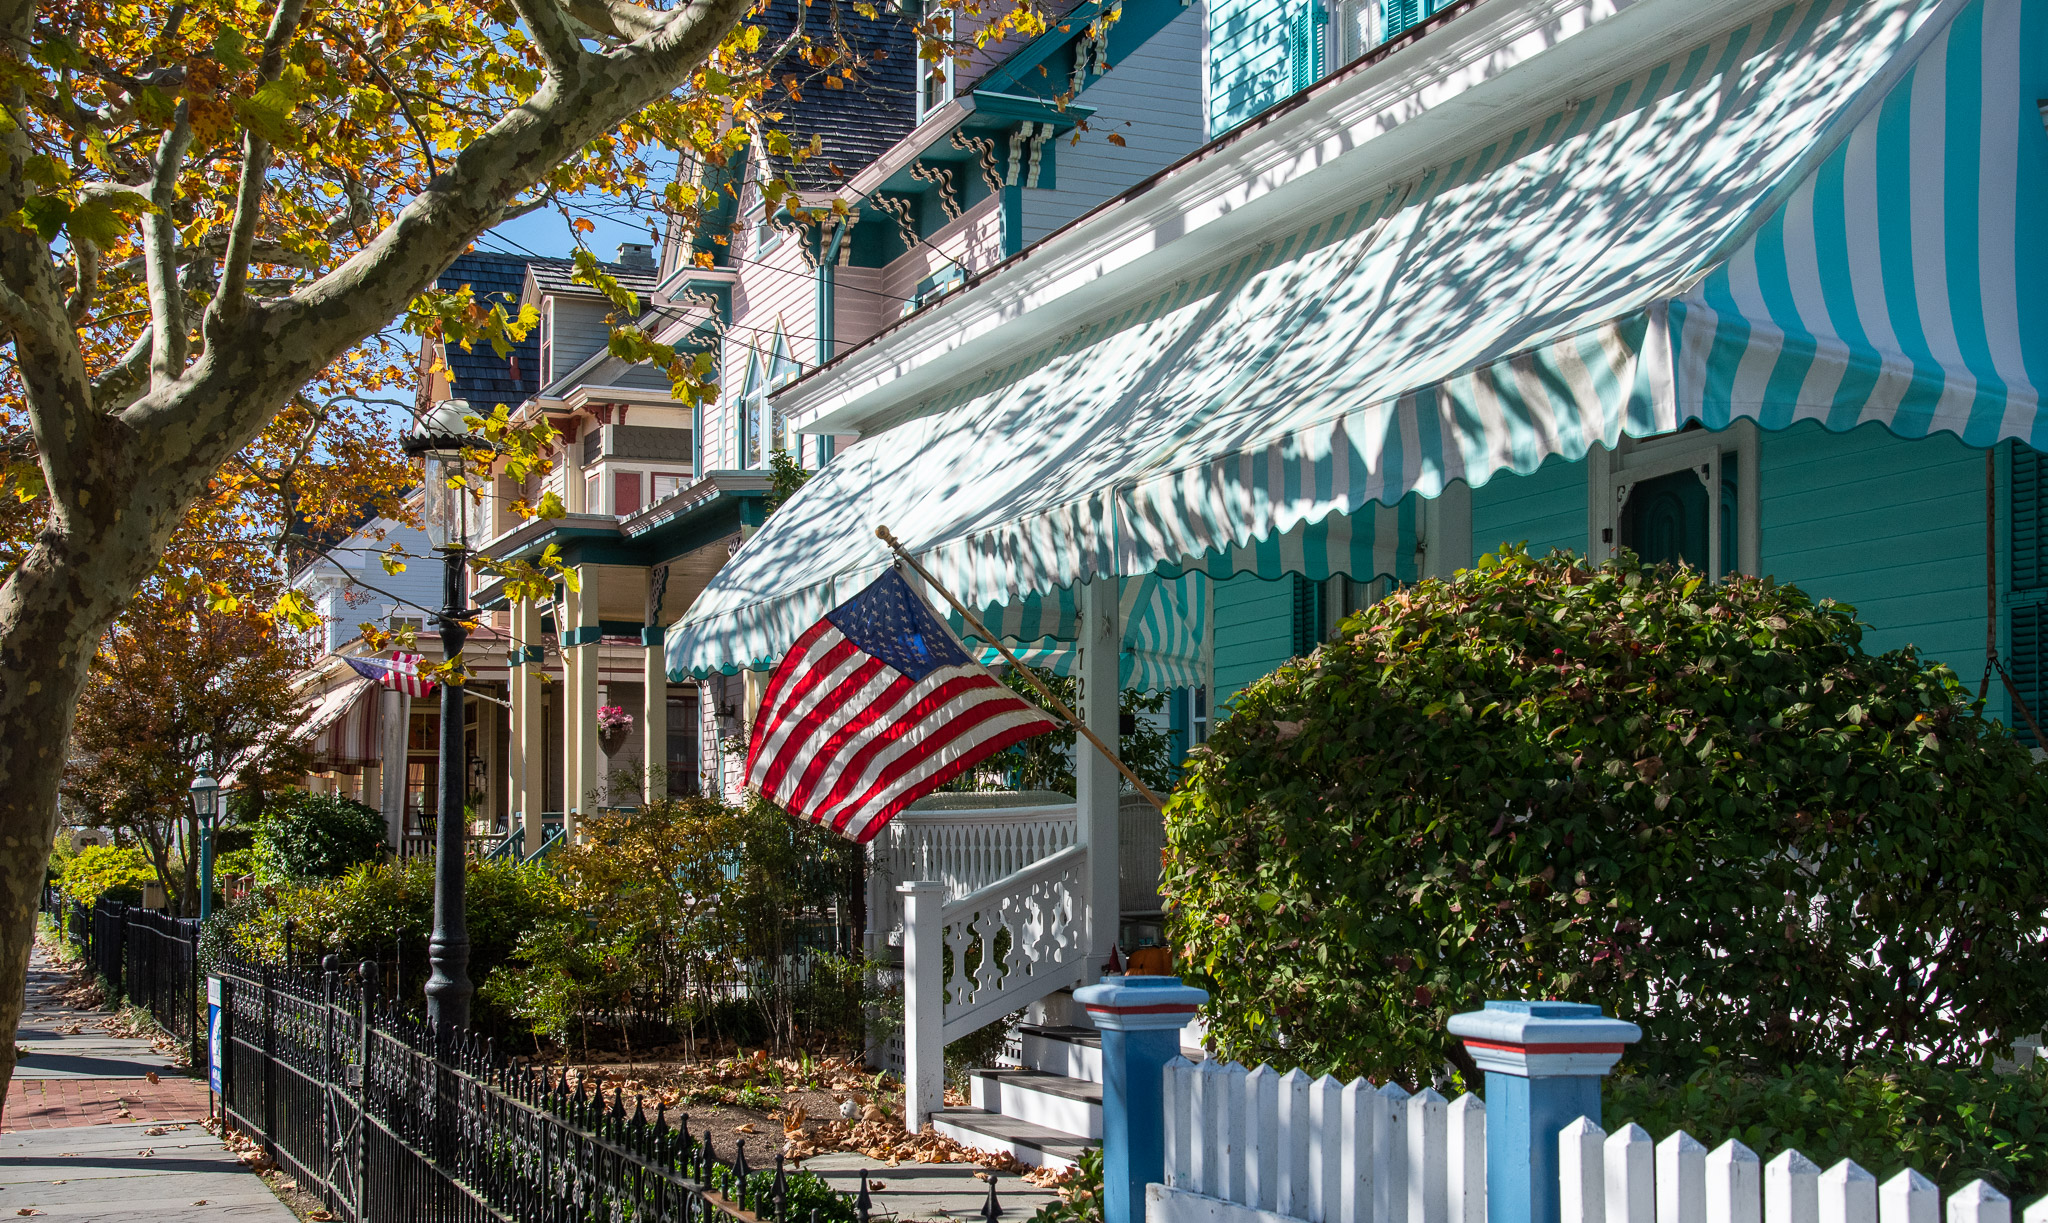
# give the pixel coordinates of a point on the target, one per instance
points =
(1812, 216)
(1165, 619)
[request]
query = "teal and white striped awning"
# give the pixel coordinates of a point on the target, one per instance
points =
(1166, 631)
(1813, 216)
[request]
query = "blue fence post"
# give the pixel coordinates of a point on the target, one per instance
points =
(1140, 1019)
(1543, 1063)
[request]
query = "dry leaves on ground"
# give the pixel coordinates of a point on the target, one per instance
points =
(887, 1140)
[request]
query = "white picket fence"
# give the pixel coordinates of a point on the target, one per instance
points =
(1624, 1177)
(1316, 1149)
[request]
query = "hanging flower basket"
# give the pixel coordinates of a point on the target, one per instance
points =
(613, 725)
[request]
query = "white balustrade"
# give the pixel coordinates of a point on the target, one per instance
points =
(961, 850)
(970, 961)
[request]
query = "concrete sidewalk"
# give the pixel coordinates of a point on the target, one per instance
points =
(914, 1192)
(88, 1136)
(125, 1174)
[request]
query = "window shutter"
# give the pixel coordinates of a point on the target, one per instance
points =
(1400, 15)
(1305, 45)
(1308, 615)
(2027, 651)
(2029, 491)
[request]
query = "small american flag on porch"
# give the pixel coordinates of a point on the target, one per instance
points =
(400, 672)
(875, 706)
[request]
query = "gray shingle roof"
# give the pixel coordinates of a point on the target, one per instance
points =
(553, 275)
(481, 375)
(858, 123)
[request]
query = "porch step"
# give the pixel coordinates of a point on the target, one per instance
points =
(1052, 1100)
(1073, 1052)
(1039, 1146)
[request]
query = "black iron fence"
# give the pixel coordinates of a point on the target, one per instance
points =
(145, 957)
(369, 1111)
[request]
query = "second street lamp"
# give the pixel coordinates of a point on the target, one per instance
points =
(443, 441)
(205, 805)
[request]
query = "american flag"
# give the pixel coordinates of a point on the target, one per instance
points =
(874, 707)
(401, 672)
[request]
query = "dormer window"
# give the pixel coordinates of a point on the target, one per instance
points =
(935, 79)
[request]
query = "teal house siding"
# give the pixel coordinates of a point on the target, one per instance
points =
(1249, 68)
(1254, 627)
(1893, 527)
(1546, 509)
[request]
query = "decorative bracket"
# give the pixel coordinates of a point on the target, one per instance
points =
(1027, 146)
(900, 210)
(984, 150)
(942, 178)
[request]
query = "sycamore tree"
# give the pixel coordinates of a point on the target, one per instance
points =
(210, 209)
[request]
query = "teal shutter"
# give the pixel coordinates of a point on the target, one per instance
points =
(1308, 615)
(1305, 45)
(2027, 618)
(1400, 15)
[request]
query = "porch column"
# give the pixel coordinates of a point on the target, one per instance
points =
(529, 720)
(397, 717)
(579, 729)
(653, 716)
(1096, 781)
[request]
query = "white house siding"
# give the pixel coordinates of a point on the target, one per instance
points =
(973, 240)
(1153, 99)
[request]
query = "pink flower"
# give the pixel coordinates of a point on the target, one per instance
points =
(613, 718)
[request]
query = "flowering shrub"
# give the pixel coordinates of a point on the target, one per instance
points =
(1704, 807)
(614, 720)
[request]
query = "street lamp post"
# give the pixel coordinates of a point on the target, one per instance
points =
(206, 805)
(442, 440)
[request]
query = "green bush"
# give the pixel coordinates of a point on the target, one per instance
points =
(1952, 1124)
(1704, 807)
(379, 908)
(315, 836)
(106, 872)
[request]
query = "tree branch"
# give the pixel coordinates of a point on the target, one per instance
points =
(618, 19)
(559, 44)
(86, 283)
(167, 324)
(255, 165)
(118, 385)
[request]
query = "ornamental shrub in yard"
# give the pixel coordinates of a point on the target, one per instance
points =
(1704, 807)
(315, 836)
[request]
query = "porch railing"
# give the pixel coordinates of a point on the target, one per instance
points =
(962, 850)
(970, 961)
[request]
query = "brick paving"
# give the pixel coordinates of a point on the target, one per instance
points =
(49, 1104)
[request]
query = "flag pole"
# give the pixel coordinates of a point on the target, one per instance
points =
(1058, 706)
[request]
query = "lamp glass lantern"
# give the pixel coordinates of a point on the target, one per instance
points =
(443, 441)
(205, 793)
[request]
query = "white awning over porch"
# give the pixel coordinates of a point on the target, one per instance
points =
(1814, 215)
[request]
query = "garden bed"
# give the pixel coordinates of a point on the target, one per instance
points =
(801, 1106)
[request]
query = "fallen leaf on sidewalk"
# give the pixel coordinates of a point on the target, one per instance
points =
(146, 1152)
(200, 1202)
(152, 1077)
(155, 1131)
(28, 1210)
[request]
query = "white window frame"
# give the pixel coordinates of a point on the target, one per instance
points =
(1613, 474)
(1334, 47)
(547, 343)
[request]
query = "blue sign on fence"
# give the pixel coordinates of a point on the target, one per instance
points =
(213, 1034)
